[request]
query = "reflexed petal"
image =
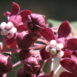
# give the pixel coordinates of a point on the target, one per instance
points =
(67, 53)
(24, 14)
(69, 64)
(72, 44)
(67, 74)
(44, 54)
(64, 29)
(48, 34)
(15, 8)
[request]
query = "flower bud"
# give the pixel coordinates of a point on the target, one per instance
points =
(22, 73)
(5, 64)
(31, 64)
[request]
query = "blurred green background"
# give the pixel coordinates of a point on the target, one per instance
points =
(54, 10)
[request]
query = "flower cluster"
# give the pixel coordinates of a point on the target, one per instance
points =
(28, 35)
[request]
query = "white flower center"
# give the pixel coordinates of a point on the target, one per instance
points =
(60, 54)
(53, 43)
(59, 46)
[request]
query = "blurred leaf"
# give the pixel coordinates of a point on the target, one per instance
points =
(47, 67)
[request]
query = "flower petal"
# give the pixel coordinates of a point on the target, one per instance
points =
(48, 34)
(67, 74)
(15, 8)
(39, 20)
(24, 14)
(64, 29)
(72, 44)
(10, 43)
(44, 54)
(69, 64)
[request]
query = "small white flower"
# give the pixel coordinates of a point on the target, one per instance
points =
(60, 54)
(59, 46)
(53, 43)
(9, 25)
(11, 32)
(3, 25)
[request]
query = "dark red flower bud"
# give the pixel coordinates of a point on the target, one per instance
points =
(5, 64)
(22, 73)
(27, 41)
(31, 64)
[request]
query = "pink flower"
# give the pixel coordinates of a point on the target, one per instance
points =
(18, 17)
(57, 42)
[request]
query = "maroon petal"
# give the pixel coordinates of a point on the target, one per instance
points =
(26, 41)
(64, 29)
(24, 14)
(72, 44)
(10, 43)
(48, 34)
(67, 53)
(69, 64)
(15, 8)
(44, 54)
(67, 74)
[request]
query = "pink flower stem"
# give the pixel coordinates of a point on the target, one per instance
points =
(16, 64)
(52, 64)
(57, 70)
(43, 41)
